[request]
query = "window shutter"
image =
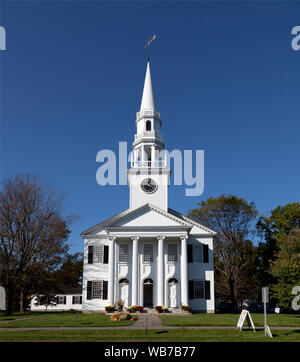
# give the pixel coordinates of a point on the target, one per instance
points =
(105, 256)
(56, 300)
(73, 300)
(105, 289)
(205, 253)
(65, 300)
(191, 289)
(190, 253)
(90, 254)
(89, 290)
(80, 300)
(207, 289)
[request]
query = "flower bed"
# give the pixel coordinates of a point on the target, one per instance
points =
(186, 308)
(120, 316)
(161, 309)
(110, 309)
(135, 308)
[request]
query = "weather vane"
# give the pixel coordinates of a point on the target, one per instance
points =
(148, 44)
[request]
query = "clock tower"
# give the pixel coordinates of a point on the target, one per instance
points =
(149, 176)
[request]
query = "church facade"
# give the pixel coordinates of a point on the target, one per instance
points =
(149, 254)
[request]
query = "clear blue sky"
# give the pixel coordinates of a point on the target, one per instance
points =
(226, 81)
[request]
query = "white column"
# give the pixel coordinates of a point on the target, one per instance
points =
(160, 271)
(183, 268)
(143, 156)
(135, 157)
(134, 278)
(153, 156)
(111, 267)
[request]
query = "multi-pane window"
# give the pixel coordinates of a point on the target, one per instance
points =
(123, 253)
(197, 253)
(60, 299)
(148, 253)
(199, 289)
(97, 290)
(77, 299)
(98, 253)
(172, 252)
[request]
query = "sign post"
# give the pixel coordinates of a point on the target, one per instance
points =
(265, 299)
(245, 315)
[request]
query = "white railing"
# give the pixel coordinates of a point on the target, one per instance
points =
(149, 164)
(147, 112)
(149, 134)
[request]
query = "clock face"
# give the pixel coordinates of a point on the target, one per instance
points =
(148, 185)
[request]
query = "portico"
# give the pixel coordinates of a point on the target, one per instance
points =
(150, 266)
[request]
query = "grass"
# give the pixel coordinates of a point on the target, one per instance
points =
(4, 317)
(68, 320)
(273, 320)
(175, 335)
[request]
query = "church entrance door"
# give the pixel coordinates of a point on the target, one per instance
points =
(148, 293)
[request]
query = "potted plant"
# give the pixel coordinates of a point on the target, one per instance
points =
(110, 309)
(158, 309)
(186, 308)
(164, 309)
(140, 309)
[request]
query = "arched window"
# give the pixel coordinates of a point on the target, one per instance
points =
(172, 281)
(148, 281)
(148, 125)
(123, 281)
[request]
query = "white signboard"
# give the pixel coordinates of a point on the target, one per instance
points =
(277, 310)
(245, 315)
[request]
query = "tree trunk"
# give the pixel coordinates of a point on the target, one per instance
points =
(21, 301)
(232, 296)
(9, 302)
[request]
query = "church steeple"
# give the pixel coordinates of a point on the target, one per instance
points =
(148, 177)
(148, 139)
(148, 100)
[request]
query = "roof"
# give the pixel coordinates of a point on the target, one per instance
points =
(115, 220)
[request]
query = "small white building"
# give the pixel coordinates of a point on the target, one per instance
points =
(149, 254)
(68, 299)
(2, 299)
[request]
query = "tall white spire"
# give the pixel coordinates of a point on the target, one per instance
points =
(148, 100)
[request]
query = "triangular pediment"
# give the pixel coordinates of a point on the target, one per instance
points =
(147, 216)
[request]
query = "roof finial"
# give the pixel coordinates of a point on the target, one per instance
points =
(150, 40)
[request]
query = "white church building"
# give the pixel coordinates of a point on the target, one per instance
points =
(149, 254)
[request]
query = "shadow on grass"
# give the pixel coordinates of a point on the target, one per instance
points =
(161, 332)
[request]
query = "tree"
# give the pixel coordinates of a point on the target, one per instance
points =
(286, 268)
(273, 229)
(232, 218)
(33, 232)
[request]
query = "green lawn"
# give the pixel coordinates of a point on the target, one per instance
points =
(4, 317)
(68, 320)
(273, 320)
(175, 335)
